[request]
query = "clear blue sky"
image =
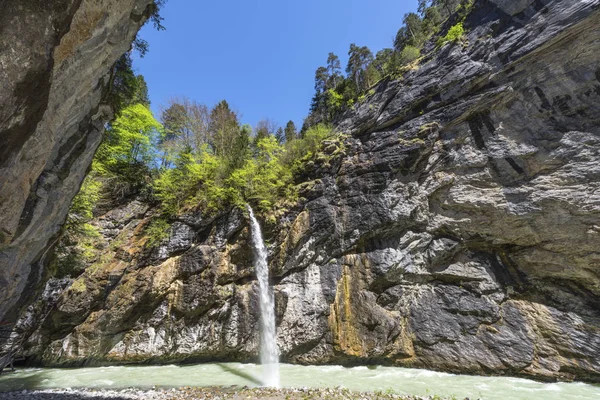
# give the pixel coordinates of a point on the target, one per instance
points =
(259, 55)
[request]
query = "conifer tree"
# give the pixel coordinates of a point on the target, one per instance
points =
(290, 132)
(359, 59)
(223, 128)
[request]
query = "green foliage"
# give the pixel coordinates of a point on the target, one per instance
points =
(76, 247)
(302, 150)
(359, 59)
(174, 187)
(127, 154)
(383, 62)
(223, 128)
(290, 132)
(335, 101)
(409, 54)
(126, 87)
(157, 230)
(455, 34)
(83, 204)
(413, 32)
(336, 93)
(264, 129)
(129, 140)
(240, 149)
(264, 179)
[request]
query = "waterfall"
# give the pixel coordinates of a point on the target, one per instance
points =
(269, 355)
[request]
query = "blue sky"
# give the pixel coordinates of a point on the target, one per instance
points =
(259, 55)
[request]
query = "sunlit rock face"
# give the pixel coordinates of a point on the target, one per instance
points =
(458, 229)
(55, 59)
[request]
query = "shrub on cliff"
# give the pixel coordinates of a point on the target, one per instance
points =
(455, 33)
(409, 54)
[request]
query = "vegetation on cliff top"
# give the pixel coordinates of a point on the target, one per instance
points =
(335, 93)
(195, 158)
(205, 158)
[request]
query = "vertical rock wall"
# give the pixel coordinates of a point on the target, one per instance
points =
(55, 63)
(457, 227)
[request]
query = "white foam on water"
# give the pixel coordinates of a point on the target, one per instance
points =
(399, 380)
(269, 353)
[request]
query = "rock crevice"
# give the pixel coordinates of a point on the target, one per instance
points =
(457, 231)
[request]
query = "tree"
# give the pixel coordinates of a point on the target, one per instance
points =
(140, 92)
(358, 61)
(411, 34)
(174, 119)
(185, 128)
(280, 135)
(174, 137)
(334, 71)
(240, 150)
(127, 154)
(409, 54)
(422, 6)
(129, 139)
(321, 79)
(264, 178)
(223, 128)
(448, 6)
(382, 61)
(290, 132)
(330, 76)
(199, 121)
(264, 128)
(432, 19)
(126, 87)
(414, 30)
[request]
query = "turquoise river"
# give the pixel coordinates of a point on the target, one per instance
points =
(398, 380)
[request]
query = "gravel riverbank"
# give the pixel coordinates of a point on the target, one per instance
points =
(187, 393)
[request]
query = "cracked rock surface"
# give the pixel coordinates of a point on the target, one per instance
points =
(55, 64)
(459, 229)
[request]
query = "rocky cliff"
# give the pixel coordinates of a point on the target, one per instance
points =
(457, 228)
(55, 60)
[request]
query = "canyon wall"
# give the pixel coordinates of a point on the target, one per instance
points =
(56, 58)
(455, 225)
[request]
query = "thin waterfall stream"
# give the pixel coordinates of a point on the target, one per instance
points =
(269, 354)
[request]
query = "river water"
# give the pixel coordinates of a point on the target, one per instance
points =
(398, 380)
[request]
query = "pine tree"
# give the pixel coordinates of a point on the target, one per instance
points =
(290, 132)
(334, 71)
(280, 136)
(359, 59)
(223, 128)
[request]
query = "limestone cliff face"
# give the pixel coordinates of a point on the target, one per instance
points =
(55, 62)
(459, 228)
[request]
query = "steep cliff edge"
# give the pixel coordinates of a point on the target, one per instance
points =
(55, 60)
(457, 228)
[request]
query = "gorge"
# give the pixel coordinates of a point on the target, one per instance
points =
(451, 223)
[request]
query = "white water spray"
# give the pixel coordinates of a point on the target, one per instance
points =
(269, 355)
